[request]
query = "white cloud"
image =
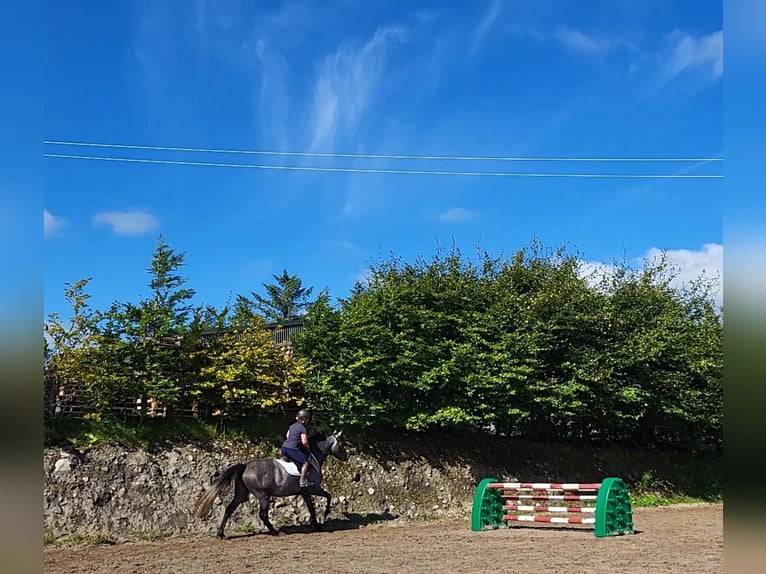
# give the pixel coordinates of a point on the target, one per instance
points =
(692, 264)
(127, 222)
(346, 85)
(688, 265)
(52, 224)
(488, 18)
(688, 53)
(596, 271)
(455, 214)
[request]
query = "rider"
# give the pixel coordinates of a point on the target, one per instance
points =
(296, 445)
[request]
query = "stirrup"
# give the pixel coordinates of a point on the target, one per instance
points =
(305, 483)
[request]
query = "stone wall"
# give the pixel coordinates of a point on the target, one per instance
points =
(121, 494)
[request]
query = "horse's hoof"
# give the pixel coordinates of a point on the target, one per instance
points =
(220, 536)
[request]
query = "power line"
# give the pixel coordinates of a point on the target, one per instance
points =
(390, 171)
(381, 156)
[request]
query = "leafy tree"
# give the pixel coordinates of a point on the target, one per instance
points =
(389, 355)
(285, 300)
(318, 342)
(85, 354)
(196, 350)
(525, 346)
(68, 357)
(247, 371)
(666, 358)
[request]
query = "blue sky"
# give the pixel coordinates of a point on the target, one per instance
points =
(543, 79)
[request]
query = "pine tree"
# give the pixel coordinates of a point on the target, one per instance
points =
(157, 325)
(285, 300)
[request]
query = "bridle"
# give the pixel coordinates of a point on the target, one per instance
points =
(336, 448)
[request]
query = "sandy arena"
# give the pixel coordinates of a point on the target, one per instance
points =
(677, 539)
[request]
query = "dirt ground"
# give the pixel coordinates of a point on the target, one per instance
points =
(677, 539)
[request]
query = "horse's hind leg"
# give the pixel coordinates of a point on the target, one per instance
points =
(263, 512)
(240, 495)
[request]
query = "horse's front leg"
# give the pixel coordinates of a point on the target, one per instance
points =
(328, 498)
(312, 511)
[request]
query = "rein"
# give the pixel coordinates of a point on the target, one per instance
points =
(318, 455)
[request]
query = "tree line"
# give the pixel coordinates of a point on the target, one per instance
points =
(526, 345)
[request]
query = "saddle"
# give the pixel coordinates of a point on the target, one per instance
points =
(290, 466)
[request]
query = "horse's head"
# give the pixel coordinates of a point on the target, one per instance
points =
(322, 445)
(336, 447)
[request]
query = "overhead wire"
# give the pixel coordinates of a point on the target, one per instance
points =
(390, 171)
(383, 156)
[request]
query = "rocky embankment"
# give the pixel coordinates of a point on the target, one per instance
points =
(112, 493)
(115, 493)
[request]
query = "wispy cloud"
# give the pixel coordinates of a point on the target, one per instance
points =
(346, 85)
(257, 267)
(273, 94)
(342, 248)
(581, 42)
(485, 24)
(274, 46)
(127, 222)
(687, 53)
(52, 224)
(576, 41)
(455, 215)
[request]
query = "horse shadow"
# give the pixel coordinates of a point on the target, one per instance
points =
(349, 521)
(355, 521)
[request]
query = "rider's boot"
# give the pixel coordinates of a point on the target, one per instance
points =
(304, 471)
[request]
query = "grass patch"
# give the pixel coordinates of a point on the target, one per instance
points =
(49, 538)
(139, 433)
(650, 500)
(150, 433)
(654, 488)
(84, 539)
(246, 529)
(151, 536)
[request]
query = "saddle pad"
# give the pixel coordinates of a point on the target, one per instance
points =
(290, 467)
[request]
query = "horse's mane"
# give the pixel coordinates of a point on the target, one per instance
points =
(317, 437)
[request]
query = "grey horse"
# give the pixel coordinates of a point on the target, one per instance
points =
(270, 477)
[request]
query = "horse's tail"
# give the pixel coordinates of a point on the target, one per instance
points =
(206, 499)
